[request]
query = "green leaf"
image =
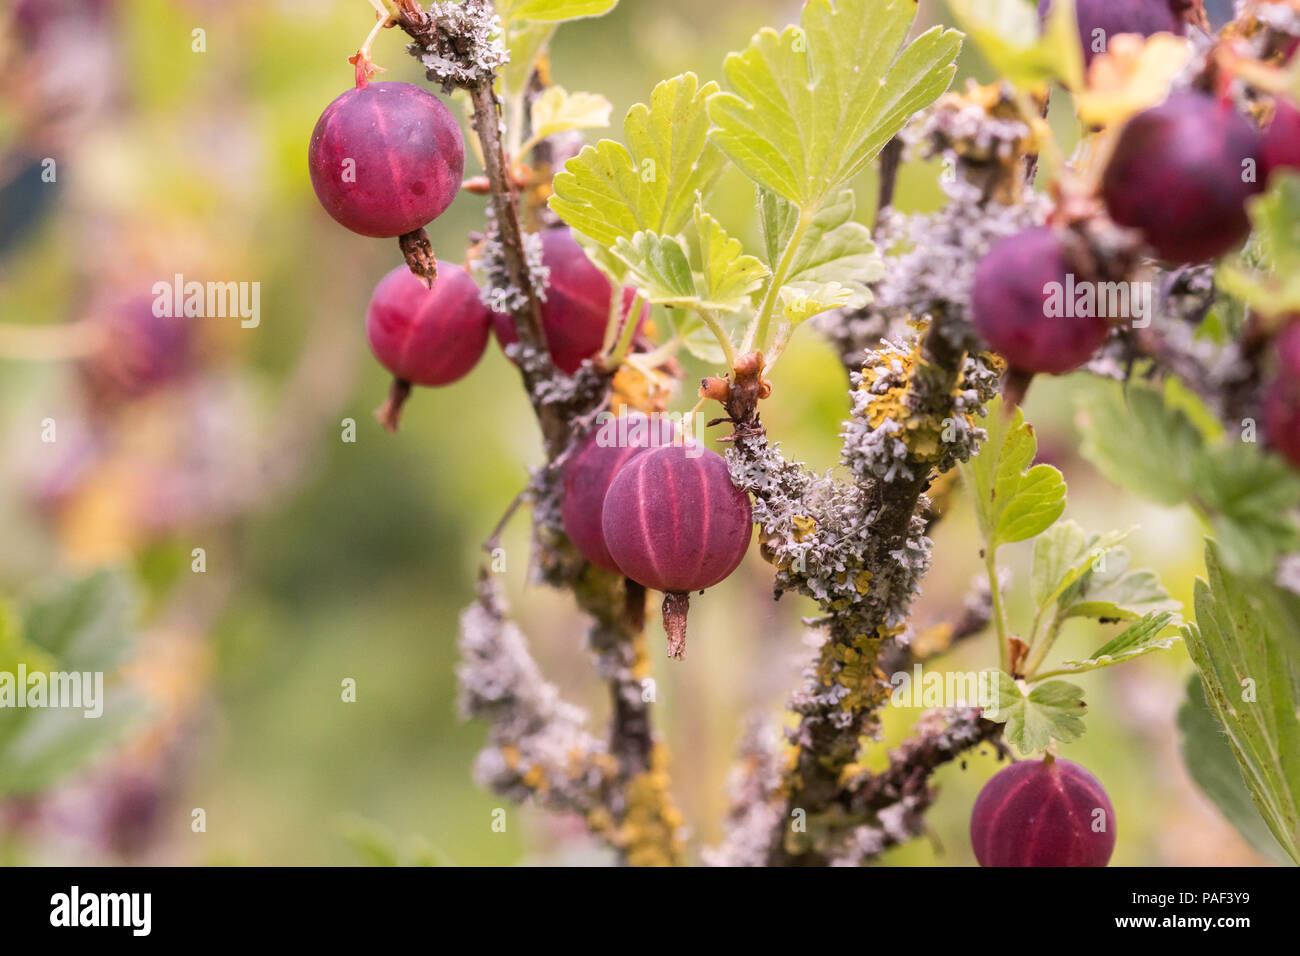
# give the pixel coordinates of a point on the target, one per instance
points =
(558, 111)
(713, 275)
(834, 247)
(1151, 445)
(552, 10)
(44, 745)
(728, 275)
(84, 624)
(1274, 287)
(1141, 637)
(1109, 591)
(1208, 758)
(1050, 711)
(660, 268)
(1063, 554)
(1008, 34)
(1244, 649)
(799, 303)
(812, 105)
(610, 191)
(81, 626)
(1250, 499)
(1012, 503)
(1139, 443)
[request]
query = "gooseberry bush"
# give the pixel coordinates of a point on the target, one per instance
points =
(1155, 257)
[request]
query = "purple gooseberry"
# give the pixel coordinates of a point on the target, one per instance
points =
(141, 351)
(576, 309)
(1181, 173)
(1009, 305)
(1048, 812)
(592, 466)
(425, 336)
(1280, 145)
(674, 522)
(1099, 20)
(386, 159)
(1282, 398)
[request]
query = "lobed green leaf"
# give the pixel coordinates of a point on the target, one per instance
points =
(610, 191)
(810, 106)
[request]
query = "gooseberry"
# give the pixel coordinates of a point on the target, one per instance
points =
(1048, 812)
(674, 522)
(576, 309)
(386, 159)
(1181, 173)
(426, 336)
(590, 469)
(1009, 305)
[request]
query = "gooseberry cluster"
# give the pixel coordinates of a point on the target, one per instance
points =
(659, 509)
(1179, 176)
(386, 159)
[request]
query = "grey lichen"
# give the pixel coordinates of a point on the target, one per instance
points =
(753, 784)
(499, 293)
(932, 259)
(822, 534)
(460, 43)
(538, 747)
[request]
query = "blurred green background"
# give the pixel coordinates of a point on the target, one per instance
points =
(329, 559)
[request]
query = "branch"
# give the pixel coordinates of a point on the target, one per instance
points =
(896, 799)
(622, 786)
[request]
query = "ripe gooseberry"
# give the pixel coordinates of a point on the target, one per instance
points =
(1009, 305)
(1282, 398)
(425, 336)
(590, 469)
(1280, 143)
(1048, 812)
(386, 159)
(1099, 20)
(140, 352)
(576, 310)
(1181, 173)
(674, 522)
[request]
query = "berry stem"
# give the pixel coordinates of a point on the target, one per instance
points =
(390, 413)
(676, 606)
(419, 256)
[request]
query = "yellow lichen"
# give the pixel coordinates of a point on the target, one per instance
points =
(648, 833)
